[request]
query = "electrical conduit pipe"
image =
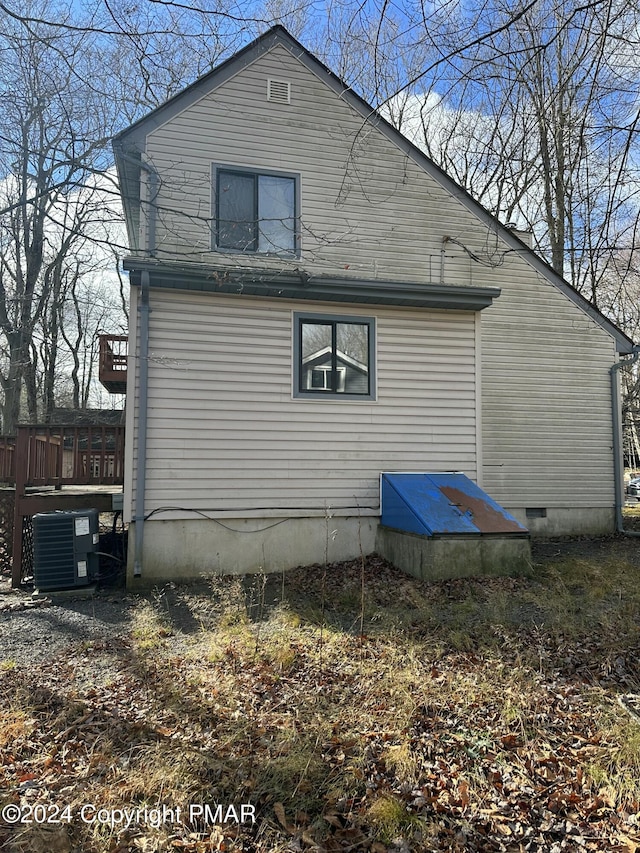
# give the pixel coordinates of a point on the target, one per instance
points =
(618, 456)
(143, 361)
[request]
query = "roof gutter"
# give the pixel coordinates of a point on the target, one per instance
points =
(618, 456)
(285, 284)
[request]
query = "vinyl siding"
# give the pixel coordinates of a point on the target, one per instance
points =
(225, 433)
(546, 400)
(366, 209)
(223, 429)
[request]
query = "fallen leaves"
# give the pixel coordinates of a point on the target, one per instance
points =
(406, 737)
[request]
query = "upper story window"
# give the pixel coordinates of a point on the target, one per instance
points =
(256, 212)
(334, 356)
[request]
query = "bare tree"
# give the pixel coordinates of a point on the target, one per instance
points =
(619, 296)
(53, 136)
(70, 77)
(540, 122)
(532, 106)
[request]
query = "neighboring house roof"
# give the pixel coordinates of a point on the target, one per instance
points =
(86, 417)
(130, 143)
(342, 356)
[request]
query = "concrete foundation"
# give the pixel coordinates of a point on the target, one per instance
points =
(187, 550)
(567, 521)
(439, 558)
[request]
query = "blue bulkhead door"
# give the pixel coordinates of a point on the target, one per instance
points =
(442, 504)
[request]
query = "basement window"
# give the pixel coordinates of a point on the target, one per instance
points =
(334, 357)
(536, 512)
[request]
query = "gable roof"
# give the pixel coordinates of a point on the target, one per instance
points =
(130, 143)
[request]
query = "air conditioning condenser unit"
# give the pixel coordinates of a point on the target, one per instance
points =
(65, 548)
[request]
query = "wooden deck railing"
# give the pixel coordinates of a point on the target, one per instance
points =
(63, 456)
(7, 459)
(58, 456)
(112, 368)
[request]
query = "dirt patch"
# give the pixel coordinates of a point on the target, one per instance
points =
(624, 548)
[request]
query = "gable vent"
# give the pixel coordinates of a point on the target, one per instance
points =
(279, 91)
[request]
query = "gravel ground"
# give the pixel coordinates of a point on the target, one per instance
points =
(33, 631)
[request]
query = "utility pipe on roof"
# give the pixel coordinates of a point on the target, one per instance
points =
(618, 455)
(154, 185)
(143, 364)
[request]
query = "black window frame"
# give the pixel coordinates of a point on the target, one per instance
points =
(220, 169)
(333, 320)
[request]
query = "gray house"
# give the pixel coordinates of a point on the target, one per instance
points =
(314, 302)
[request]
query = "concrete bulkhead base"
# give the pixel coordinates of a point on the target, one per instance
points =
(443, 557)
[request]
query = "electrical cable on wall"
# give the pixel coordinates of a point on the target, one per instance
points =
(211, 518)
(485, 262)
(217, 520)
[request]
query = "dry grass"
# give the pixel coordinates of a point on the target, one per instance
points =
(464, 715)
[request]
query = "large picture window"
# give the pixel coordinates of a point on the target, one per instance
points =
(255, 211)
(334, 356)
